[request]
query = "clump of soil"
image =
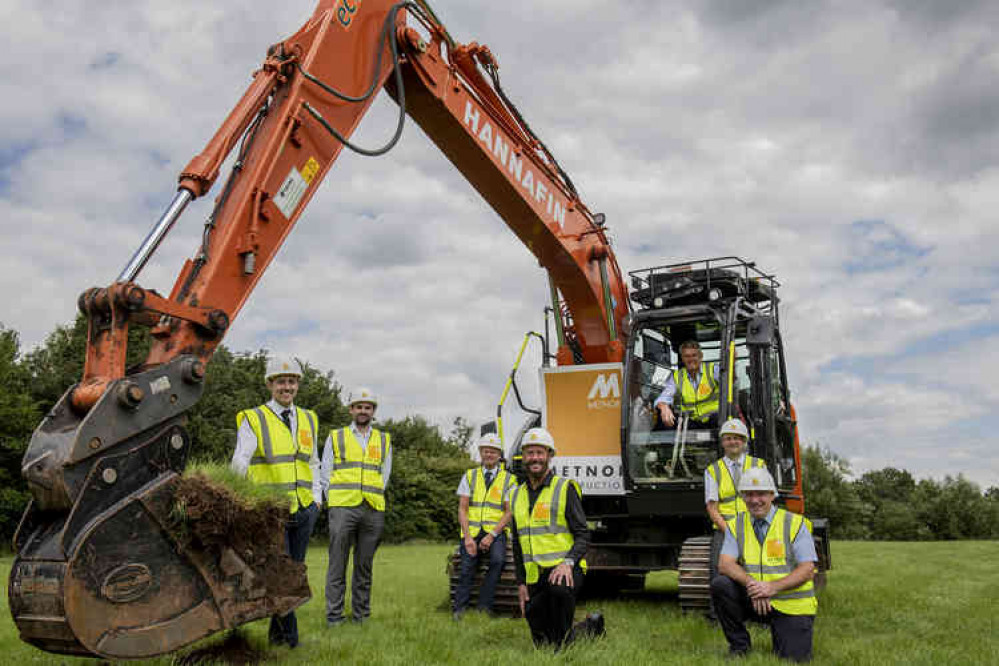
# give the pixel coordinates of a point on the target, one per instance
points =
(235, 650)
(239, 531)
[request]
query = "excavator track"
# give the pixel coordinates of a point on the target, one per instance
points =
(695, 572)
(506, 602)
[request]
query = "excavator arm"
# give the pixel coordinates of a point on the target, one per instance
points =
(97, 572)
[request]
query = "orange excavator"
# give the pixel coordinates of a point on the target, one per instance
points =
(96, 573)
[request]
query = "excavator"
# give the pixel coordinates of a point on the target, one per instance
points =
(96, 572)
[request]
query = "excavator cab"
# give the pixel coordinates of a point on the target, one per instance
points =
(730, 308)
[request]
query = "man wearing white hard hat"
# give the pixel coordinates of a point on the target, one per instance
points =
(550, 537)
(765, 572)
(276, 446)
(357, 463)
(721, 478)
(483, 514)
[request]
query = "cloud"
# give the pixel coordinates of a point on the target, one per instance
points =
(847, 147)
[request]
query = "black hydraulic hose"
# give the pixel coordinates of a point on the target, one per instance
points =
(494, 75)
(246, 142)
(389, 35)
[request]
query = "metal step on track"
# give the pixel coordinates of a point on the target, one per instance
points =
(506, 601)
(695, 573)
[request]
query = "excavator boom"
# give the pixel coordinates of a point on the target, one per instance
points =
(97, 572)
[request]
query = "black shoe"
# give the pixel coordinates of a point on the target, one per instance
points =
(737, 654)
(357, 620)
(595, 624)
(332, 624)
(457, 615)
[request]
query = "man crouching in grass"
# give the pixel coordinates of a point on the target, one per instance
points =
(549, 541)
(765, 572)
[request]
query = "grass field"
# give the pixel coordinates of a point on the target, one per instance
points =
(886, 603)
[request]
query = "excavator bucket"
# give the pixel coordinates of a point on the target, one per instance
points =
(104, 566)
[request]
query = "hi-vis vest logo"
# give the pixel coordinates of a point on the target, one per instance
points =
(345, 11)
(542, 511)
(605, 392)
(305, 441)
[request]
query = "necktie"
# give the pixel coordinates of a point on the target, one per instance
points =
(286, 417)
(760, 527)
(489, 478)
(736, 470)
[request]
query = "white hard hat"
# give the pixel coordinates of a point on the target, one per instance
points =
(282, 365)
(363, 395)
(538, 437)
(491, 440)
(734, 427)
(757, 478)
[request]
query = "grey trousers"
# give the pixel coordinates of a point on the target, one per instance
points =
(358, 527)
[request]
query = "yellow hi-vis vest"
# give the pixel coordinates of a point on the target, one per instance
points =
(729, 500)
(282, 458)
(485, 509)
(357, 471)
(543, 533)
(774, 558)
(702, 400)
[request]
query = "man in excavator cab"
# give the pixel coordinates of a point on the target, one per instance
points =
(691, 390)
(276, 446)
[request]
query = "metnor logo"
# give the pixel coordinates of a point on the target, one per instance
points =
(605, 392)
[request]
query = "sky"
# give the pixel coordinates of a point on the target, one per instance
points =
(849, 147)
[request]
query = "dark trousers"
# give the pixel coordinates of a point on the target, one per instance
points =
(358, 527)
(469, 563)
(550, 609)
(296, 542)
(710, 423)
(792, 634)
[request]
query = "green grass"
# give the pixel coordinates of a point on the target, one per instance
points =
(886, 603)
(253, 493)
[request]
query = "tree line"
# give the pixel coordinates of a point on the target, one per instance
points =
(886, 504)
(891, 505)
(427, 464)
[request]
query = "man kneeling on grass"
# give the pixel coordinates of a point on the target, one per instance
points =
(765, 572)
(549, 541)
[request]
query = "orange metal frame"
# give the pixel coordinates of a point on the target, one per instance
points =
(458, 109)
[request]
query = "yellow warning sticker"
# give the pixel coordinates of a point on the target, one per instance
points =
(310, 170)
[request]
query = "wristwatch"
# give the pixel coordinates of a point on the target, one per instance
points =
(493, 534)
(571, 562)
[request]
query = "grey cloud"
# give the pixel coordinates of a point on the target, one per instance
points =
(699, 129)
